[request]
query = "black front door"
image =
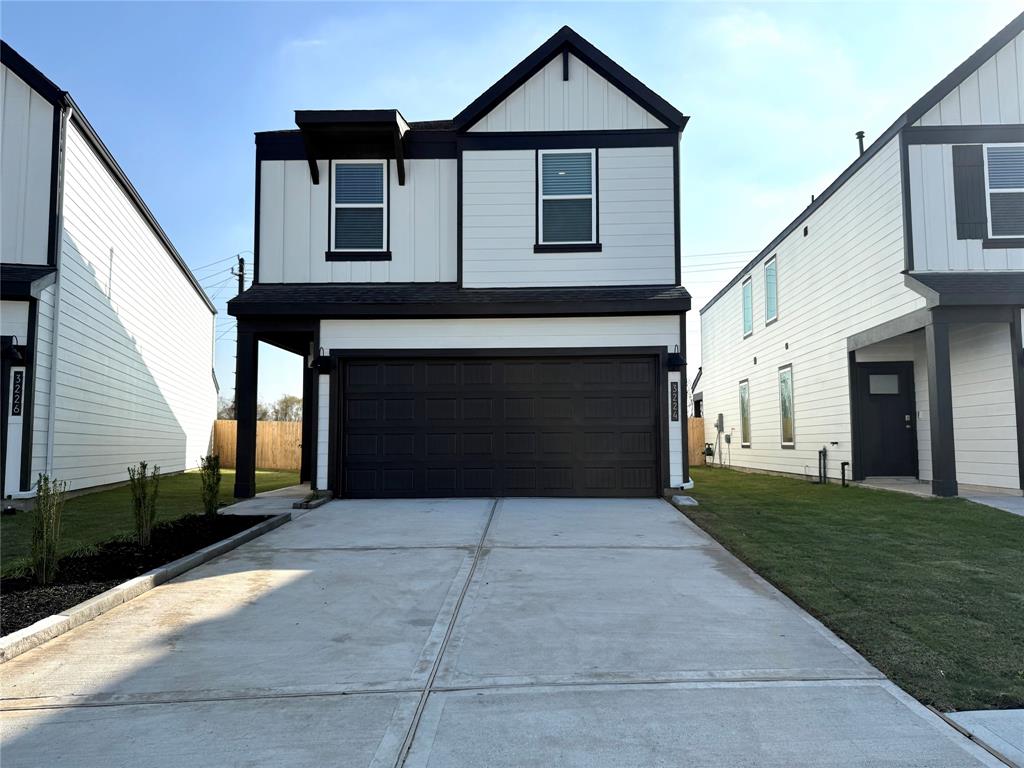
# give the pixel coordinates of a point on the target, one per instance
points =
(888, 427)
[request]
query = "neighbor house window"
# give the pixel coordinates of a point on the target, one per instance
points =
(771, 290)
(1004, 171)
(748, 307)
(786, 406)
(567, 205)
(745, 414)
(359, 210)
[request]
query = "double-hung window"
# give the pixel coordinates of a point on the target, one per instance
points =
(748, 307)
(786, 415)
(359, 206)
(567, 204)
(1004, 174)
(771, 290)
(744, 414)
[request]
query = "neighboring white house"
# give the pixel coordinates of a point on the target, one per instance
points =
(883, 324)
(107, 336)
(489, 305)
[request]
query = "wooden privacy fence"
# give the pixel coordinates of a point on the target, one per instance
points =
(696, 441)
(278, 443)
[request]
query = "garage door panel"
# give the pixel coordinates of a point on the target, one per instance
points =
(544, 426)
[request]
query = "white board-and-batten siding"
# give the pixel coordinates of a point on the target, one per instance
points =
(842, 278)
(295, 222)
(636, 222)
(584, 102)
(134, 352)
(991, 95)
(26, 148)
(933, 218)
(500, 333)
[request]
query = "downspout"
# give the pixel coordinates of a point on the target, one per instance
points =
(59, 248)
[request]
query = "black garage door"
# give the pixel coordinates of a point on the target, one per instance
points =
(545, 426)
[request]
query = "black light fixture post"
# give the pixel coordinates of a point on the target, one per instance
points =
(674, 361)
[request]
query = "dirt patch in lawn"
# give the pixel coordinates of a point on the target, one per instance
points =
(86, 574)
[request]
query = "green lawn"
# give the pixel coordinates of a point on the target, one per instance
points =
(95, 517)
(931, 591)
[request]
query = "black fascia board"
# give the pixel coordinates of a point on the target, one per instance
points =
(903, 122)
(567, 39)
(35, 79)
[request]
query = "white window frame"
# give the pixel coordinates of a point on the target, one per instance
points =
(769, 320)
(989, 191)
(383, 205)
(541, 197)
(748, 280)
(745, 384)
(792, 406)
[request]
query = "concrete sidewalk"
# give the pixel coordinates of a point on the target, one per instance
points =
(466, 633)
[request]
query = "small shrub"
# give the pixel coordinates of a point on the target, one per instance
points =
(46, 514)
(209, 474)
(144, 488)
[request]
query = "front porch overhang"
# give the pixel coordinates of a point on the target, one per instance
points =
(25, 281)
(968, 289)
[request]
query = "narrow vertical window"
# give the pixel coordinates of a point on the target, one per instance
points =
(358, 221)
(1004, 170)
(786, 414)
(567, 199)
(748, 307)
(771, 291)
(745, 414)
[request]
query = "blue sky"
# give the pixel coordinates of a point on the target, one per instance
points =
(775, 91)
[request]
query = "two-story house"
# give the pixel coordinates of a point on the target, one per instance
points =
(883, 325)
(487, 305)
(107, 337)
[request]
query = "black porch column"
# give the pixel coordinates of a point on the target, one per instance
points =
(309, 412)
(246, 365)
(940, 409)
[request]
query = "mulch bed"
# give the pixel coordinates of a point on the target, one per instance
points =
(86, 574)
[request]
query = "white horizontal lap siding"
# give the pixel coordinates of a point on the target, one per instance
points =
(933, 218)
(636, 222)
(26, 147)
(984, 416)
(584, 102)
(295, 222)
(842, 278)
(991, 95)
(134, 339)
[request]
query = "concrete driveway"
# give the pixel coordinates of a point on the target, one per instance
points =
(466, 633)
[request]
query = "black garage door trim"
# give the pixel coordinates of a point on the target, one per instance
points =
(342, 356)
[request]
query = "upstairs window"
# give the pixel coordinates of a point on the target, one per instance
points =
(360, 198)
(748, 307)
(771, 291)
(567, 205)
(1004, 172)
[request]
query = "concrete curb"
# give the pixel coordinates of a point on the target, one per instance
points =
(36, 634)
(312, 504)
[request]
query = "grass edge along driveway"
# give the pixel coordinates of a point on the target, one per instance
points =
(930, 591)
(94, 517)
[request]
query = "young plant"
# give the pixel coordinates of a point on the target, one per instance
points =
(144, 487)
(46, 514)
(209, 475)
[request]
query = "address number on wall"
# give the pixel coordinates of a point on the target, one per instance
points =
(675, 400)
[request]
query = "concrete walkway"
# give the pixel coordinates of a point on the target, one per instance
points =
(466, 633)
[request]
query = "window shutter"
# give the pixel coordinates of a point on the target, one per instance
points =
(969, 192)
